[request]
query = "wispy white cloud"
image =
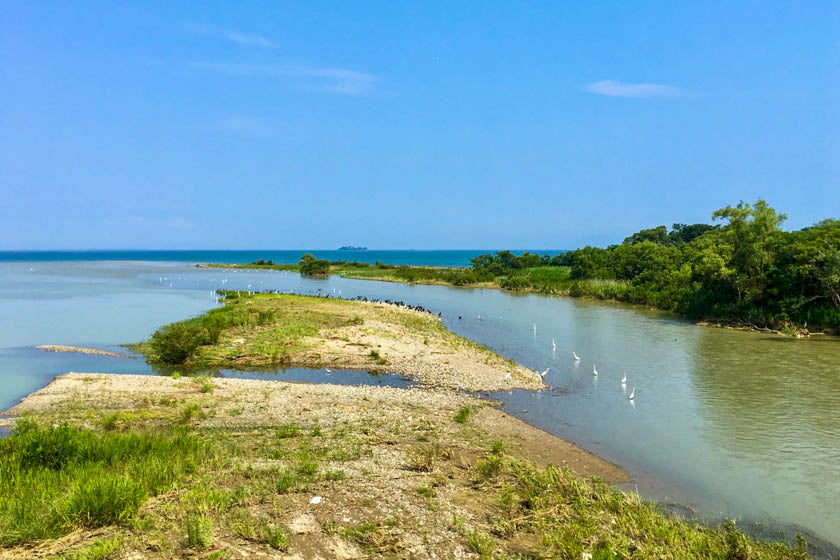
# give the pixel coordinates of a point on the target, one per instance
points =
(332, 80)
(232, 35)
(614, 88)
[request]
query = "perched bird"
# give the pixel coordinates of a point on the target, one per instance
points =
(577, 358)
(624, 379)
(543, 374)
(508, 377)
(632, 394)
(594, 370)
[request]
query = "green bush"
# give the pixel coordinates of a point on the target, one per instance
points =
(310, 266)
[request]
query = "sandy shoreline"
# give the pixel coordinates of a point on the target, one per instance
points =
(321, 402)
(378, 435)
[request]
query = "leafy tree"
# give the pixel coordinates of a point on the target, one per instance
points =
(750, 231)
(310, 266)
(655, 235)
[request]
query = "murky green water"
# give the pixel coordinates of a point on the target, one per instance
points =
(731, 424)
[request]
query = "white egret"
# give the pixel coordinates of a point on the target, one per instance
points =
(508, 377)
(632, 394)
(553, 345)
(543, 374)
(577, 358)
(624, 379)
(594, 370)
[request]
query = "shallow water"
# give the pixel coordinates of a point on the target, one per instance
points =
(731, 424)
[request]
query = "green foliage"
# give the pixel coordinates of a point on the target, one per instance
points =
(199, 531)
(99, 550)
(463, 415)
(274, 536)
(481, 544)
(310, 266)
(176, 342)
(573, 517)
(287, 431)
(335, 475)
(55, 479)
(747, 270)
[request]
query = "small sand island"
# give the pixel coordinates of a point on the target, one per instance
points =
(81, 350)
(274, 330)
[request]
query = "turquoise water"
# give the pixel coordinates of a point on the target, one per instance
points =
(415, 258)
(731, 424)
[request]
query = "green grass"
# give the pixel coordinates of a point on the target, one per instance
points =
(199, 531)
(572, 517)
(274, 536)
(99, 550)
(53, 480)
(463, 415)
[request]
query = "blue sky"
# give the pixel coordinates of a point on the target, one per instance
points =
(408, 125)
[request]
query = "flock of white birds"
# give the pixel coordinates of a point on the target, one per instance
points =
(542, 374)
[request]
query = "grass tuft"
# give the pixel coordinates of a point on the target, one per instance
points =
(463, 415)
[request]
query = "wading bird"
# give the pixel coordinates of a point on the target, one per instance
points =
(632, 394)
(594, 370)
(624, 379)
(577, 358)
(543, 374)
(553, 345)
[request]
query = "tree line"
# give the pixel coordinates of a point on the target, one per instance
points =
(744, 268)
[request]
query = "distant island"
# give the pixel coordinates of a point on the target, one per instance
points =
(352, 248)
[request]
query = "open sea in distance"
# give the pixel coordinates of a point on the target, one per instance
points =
(406, 257)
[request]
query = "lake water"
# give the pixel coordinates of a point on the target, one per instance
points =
(731, 424)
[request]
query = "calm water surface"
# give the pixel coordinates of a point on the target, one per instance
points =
(731, 424)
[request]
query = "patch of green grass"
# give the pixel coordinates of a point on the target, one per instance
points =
(489, 467)
(115, 421)
(199, 531)
(274, 536)
(574, 517)
(285, 431)
(204, 383)
(99, 550)
(287, 481)
(191, 411)
(463, 415)
(335, 475)
(53, 480)
(426, 491)
(423, 458)
(480, 543)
